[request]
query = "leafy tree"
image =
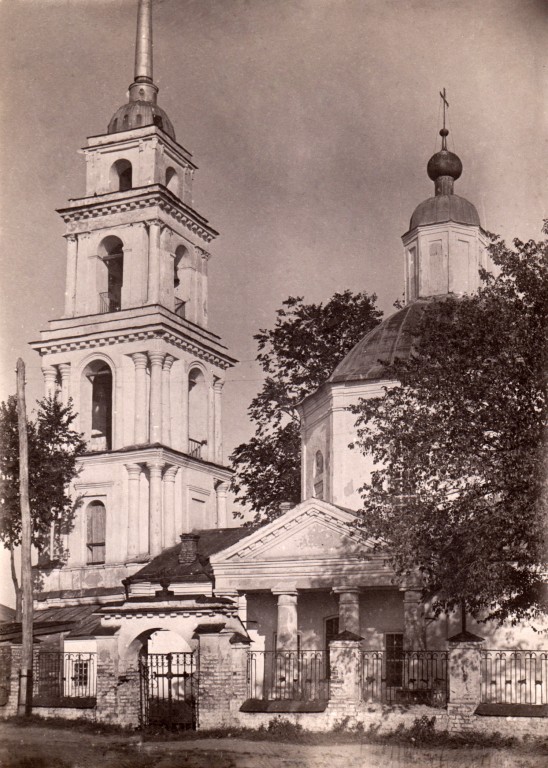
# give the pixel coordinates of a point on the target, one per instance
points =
(54, 450)
(297, 355)
(459, 489)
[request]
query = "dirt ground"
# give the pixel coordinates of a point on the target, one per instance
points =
(42, 747)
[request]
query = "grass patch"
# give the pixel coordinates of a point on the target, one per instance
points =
(422, 733)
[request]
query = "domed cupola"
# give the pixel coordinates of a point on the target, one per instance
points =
(142, 109)
(444, 246)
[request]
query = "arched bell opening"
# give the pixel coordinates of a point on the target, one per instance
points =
(172, 181)
(110, 276)
(121, 176)
(96, 405)
(197, 413)
(182, 281)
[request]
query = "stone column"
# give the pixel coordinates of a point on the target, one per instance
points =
(287, 627)
(204, 290)
(70, 288)
(464, 680)
(414, 630)
(218, 427)
(170, 534)
(156, 362)
(166, 399)
(349, 609)
(134, 475)
(221, 490)
(185, 414)
(140, 361)
(154, 231)
(155, 507)
(50, 377)
(210, 453)
(64, 369)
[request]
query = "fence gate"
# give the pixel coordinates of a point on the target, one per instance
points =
(169, 690)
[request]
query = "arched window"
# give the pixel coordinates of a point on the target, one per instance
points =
(96, 529)
(172, 180)
(96, 413)
(197, 413)
(111, 277)
(318, 475)
(121, 176)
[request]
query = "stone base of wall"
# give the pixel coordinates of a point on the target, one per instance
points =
(67, 713)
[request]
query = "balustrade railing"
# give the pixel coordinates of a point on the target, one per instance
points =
(64, 679)
(195, 448)
(406, 677)
(288, 675)
(108, 302)
(514, 677)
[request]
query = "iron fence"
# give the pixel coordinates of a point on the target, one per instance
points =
(108, 302)
(64, 679)
(405, 677)
(288, 675)
(169, 692)
(514, 677)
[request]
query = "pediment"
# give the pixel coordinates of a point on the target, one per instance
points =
(313, 530)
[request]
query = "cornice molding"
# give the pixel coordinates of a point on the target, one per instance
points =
(156, 196)
(186, 345)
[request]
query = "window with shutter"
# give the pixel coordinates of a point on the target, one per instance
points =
(96, 517)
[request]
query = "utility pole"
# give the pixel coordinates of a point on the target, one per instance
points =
(25, 679)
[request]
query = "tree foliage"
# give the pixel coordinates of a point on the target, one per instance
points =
(297, 355)
(459, 490)
(54, 450)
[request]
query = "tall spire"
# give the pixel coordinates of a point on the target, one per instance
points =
(142, 109)
(143, 88)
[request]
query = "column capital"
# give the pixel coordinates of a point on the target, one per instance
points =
(289, 591)
(64, 368)
(49, 372)
(355, 591)
(222, 486)
(156, 358)
(170, 473)
(413, 595)
(133, 470)
(168, 362)
(140, 359)
(155, 467)
(70, 237)
(218, 385)
(203, 253)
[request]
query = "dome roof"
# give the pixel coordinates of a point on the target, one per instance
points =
(443, 208)
(137, 114)
(393, 338)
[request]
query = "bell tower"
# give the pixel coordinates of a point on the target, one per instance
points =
(133, 350)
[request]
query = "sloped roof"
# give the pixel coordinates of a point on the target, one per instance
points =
(77, 621)
(167, 566)
(443, 208)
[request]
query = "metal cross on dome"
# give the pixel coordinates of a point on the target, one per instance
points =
(445, 107)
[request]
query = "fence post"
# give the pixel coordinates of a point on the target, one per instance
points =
(344, 665)
(107, 679)
(464, 679)
(222, 675)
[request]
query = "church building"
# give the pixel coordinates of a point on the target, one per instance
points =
(154, 560)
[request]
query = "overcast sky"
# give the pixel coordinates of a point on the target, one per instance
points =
(311, 122)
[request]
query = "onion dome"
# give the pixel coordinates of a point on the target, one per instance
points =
(394, 338)
(444, 168)
(142, 109)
